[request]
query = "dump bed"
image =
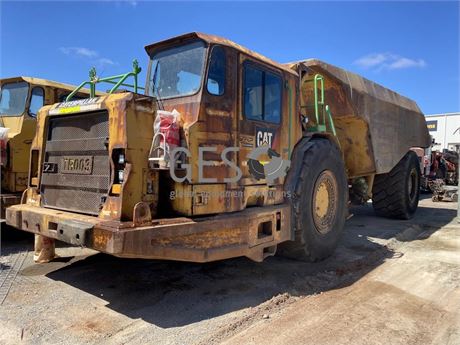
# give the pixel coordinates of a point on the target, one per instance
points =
(376, 126)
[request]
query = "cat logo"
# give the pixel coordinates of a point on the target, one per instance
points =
(265, 137)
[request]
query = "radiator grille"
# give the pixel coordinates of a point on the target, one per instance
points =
(85, 136)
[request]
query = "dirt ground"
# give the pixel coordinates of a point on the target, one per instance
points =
(389, 282)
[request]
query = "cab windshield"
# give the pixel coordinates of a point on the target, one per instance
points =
(13, 98)
(177, 71)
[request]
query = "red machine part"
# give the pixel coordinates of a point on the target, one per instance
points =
(170, 129)
(3, 152)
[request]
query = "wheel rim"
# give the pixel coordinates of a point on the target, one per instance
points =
(413, 185)
(325, 200)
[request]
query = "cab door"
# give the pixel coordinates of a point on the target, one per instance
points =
(260, 117)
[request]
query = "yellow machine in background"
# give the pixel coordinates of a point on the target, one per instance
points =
(20, 100)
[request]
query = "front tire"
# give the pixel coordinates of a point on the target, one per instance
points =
(319, 203)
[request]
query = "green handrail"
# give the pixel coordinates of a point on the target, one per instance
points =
(321, 121)
(331, 121)
(118, 80)
(318, 77)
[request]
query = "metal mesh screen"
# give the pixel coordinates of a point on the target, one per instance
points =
(72, 140)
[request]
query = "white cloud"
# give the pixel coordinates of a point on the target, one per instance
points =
(403, 62)
(79, 51)
(91, 55)
(121, 3)
(105, 61)
(370, 60)
(388, 61)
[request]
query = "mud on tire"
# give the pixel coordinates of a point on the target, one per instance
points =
(396, 194)
(319, 202)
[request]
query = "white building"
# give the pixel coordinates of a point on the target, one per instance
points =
(445, 129)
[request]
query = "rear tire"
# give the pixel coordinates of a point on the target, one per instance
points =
(319, 203)
(396, 194)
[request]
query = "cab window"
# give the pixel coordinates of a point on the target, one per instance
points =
(177, 71)
(261, 94)
(37, 100)
(216, 72)
(13, 98)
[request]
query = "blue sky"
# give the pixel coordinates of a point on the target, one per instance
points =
(410, 47)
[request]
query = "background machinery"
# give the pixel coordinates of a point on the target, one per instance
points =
(20, 100)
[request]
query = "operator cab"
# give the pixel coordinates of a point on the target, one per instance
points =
(227, 97)
(18, 98)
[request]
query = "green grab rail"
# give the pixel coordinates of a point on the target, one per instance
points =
(319, 98)
(117, 80)
(318, 77)
(331, 121)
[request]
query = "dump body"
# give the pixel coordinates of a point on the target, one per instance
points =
(93, 183)
(375, 125)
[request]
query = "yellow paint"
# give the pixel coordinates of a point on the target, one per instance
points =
(116, 188)
(69, 110)
(322, 200)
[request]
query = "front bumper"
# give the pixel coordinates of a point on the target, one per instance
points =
(7, 200)
(253, 233)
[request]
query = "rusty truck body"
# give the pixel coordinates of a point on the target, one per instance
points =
(340, 137)
(20, 100)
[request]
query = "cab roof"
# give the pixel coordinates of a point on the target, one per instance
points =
(39, 81)
(46, 82)
(217, 40)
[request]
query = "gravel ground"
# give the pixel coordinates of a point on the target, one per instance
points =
(389, 282)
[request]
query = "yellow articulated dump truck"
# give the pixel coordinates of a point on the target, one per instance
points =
(226, 153)
(20, 100)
